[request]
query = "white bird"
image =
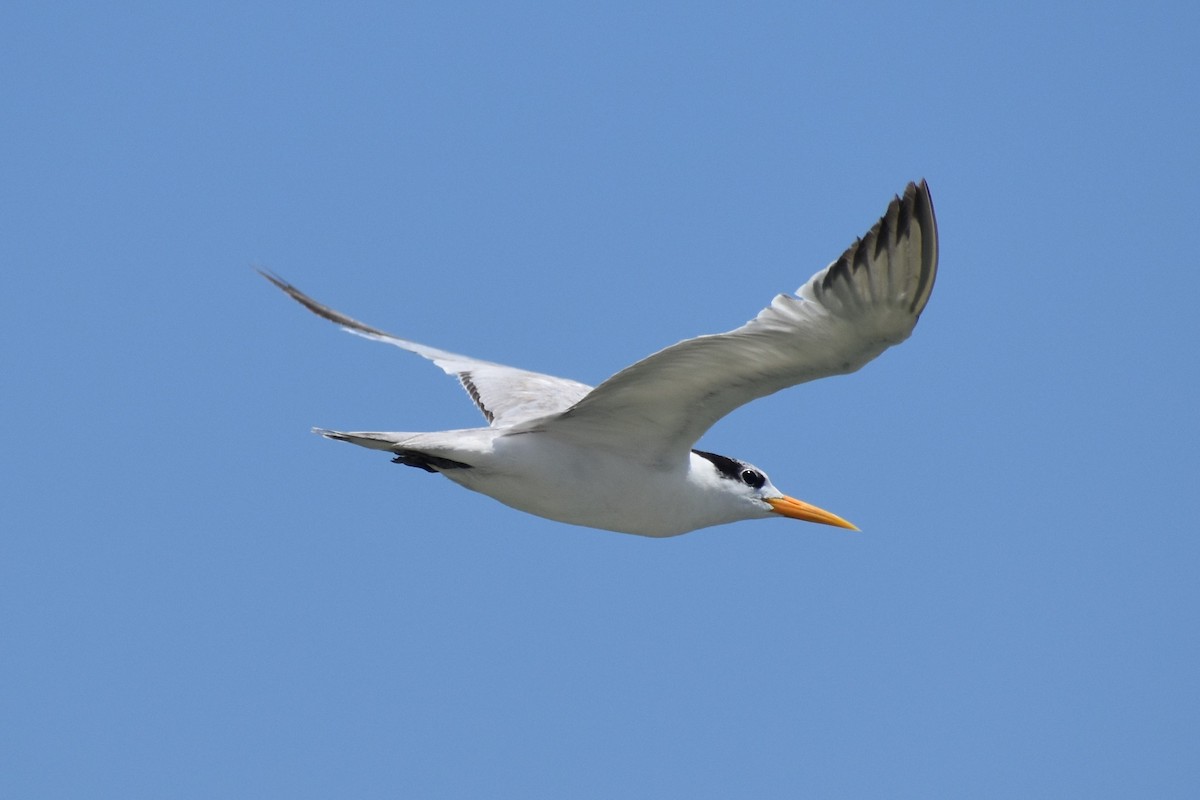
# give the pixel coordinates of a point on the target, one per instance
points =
(619, 456)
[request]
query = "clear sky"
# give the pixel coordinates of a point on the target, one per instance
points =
(198, 598)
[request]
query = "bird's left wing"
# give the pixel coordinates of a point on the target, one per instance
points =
(506, 396)
(846, 315)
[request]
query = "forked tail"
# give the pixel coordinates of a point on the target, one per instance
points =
(394, 443)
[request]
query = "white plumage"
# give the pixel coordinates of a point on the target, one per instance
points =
(619, 456)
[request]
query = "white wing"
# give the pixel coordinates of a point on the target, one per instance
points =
(507, 396)
(846, 315)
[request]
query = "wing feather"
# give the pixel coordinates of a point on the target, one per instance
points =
(506, 396)
(847, 314)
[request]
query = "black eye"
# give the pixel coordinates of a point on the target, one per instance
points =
(752, 477)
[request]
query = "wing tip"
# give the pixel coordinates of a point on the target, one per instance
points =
(919, 199)
(287, 288)
(325, 312)
(909, 217)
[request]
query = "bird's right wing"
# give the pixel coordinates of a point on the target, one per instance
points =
(506, 396)
(844, 316)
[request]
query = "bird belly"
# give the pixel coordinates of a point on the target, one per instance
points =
(581, 486)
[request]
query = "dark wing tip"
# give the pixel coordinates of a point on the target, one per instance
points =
(909, 216)
(920, 204)
(319, 309)
(273, 278)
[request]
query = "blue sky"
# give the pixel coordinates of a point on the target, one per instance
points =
(198, 598)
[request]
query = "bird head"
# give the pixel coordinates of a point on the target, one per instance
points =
(754, 493)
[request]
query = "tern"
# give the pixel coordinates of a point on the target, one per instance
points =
(621, 456)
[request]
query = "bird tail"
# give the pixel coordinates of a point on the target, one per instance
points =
(398, 444)
(376, 440)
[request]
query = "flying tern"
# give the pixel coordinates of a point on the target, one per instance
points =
(621, 456)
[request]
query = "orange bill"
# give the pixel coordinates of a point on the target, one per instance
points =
(798, 509)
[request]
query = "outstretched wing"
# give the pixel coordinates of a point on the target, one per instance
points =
(846, 315)
(505, 395)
